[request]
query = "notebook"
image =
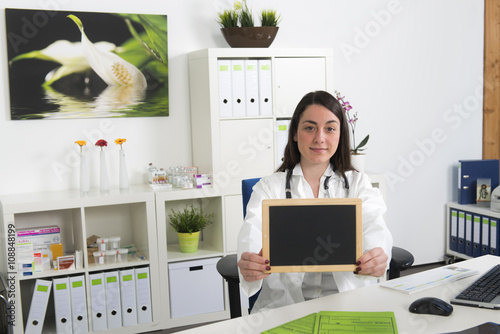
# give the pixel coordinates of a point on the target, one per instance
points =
(428, 279)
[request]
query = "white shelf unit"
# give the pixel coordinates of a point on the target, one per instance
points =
(236, 148)
(465, 208)
(129, 215)
(211, 245)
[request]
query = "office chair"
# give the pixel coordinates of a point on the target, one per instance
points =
(228, 265)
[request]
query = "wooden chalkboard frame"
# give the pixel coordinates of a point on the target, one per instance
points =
(351, 206)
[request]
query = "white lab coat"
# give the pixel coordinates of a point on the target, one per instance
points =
(284, 289)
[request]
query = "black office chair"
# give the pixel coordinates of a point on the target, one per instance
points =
(228, 265)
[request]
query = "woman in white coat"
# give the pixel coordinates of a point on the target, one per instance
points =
(316, 164)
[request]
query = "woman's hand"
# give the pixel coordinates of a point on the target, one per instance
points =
(252, 266)
(373, 263)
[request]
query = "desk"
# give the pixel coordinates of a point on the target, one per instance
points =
(370, 299)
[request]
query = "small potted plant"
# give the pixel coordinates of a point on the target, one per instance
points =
(246, 35)
(188, 223)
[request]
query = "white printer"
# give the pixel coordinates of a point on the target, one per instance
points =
(495, 200)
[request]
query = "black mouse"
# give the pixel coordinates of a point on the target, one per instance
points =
(431, 305)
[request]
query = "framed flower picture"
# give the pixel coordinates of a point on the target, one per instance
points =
(69, 64)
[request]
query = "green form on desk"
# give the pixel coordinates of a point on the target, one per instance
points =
(330, 322)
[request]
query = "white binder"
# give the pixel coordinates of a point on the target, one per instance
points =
(38, 307)
(265, 88)
(252, 87)
(98, 302)
(62, 305)
(143, 294)
(79, 304)
(282, 127)
(129, 302)
(113, 300)
(225, 100)
(238, 87)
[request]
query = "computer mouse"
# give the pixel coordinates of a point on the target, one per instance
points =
(431, 305)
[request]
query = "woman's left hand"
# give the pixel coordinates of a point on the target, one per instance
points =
(373, 263)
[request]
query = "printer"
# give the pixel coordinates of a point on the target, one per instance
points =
(495, 200)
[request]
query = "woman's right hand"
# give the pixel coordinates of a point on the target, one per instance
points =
(252, 266)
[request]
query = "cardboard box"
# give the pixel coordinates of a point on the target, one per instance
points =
(45, 235)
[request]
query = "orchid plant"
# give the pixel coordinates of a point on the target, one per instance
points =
(352, 119)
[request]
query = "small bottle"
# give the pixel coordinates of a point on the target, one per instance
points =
(151, 171)
(114, 242)
(102, 244)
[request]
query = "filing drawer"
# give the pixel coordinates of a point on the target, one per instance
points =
(195, 288)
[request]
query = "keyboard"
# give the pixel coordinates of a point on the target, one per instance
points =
(484, 292)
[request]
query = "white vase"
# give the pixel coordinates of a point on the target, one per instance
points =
(104, 174)
(358, 162)
(84, 175)
(123, 171)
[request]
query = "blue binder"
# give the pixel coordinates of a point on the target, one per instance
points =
(468, 173)
(453, 230)
(494, 236)
(468, 233)
(461, 232)
(485, 236)
(476, 235)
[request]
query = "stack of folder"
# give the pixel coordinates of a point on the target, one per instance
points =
(118, 298)
(473, 232)
(245, 87)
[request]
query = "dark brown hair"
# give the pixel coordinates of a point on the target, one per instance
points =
(341, 160)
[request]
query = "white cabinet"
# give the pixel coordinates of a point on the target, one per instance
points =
(294, 78)
(130, 216)
(247, 147)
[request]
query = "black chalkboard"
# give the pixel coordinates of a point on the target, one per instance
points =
(312, 235)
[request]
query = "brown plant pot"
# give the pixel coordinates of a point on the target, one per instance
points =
(249, 37)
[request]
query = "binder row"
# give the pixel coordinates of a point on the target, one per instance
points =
(118, 298)
(473, 234)
(245, 87)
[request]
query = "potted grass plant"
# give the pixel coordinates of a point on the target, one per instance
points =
(188, 223)
(239, 30)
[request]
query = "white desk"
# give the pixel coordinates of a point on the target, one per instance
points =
(374, 298)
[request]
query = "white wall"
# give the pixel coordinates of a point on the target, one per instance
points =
(412, 69)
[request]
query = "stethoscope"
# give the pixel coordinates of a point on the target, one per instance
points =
(288, 189)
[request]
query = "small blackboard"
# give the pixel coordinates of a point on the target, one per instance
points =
(312, 235)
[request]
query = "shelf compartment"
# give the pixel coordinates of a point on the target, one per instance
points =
(211, 238)
(128, 221)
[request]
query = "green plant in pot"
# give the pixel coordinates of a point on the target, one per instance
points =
(237, 26)
(188, 223)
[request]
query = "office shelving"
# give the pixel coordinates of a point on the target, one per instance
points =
(129, 215)
(467, 232)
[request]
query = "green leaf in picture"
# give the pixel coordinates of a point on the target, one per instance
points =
(157, 71)
(157, 34)
(133, 52)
